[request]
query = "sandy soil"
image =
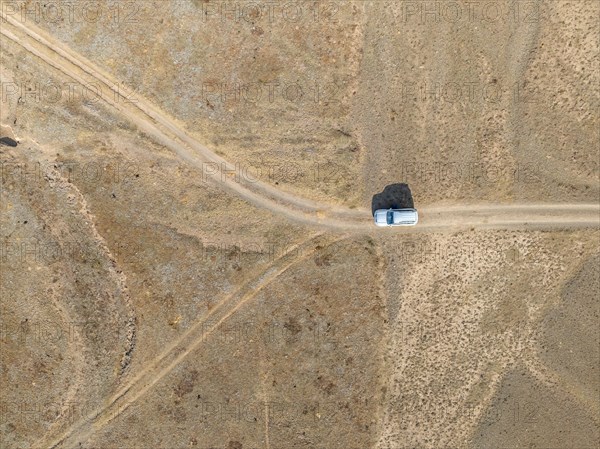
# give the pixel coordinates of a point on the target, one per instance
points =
(188, 255)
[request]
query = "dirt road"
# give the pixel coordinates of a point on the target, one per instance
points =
(166, 131)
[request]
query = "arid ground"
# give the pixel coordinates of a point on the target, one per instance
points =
(188, 255)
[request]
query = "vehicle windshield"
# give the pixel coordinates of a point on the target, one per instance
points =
(390, 217)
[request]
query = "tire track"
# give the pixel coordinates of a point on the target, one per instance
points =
(554, 381)
(153, 121)
(167, 132)
(81, 431)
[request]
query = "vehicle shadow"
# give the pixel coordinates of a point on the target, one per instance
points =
(8, 142)
(394, 196)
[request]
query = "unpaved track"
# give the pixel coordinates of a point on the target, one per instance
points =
(147, 117)
(171, 134)
(166, 131)
(114, 406)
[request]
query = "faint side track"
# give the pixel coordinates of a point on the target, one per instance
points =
(167, 132)
(81, 431)
(75, 341)
(54, 177)
(553, 380)
(385, 365)
(149, 118)
(70, 214)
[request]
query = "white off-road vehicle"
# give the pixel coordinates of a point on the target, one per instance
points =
(396, 217)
